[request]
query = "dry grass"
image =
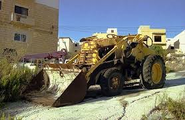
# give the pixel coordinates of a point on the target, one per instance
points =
(168, 109)
(176, 108)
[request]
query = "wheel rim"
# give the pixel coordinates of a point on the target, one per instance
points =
(156, 73)
(115, 83)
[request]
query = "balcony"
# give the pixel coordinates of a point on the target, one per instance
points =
(22, 20)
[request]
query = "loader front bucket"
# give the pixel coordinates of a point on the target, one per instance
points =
(56, 86)
(74, 93)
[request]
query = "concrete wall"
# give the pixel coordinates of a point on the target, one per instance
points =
(146, 30)
(40, 27)
(181, 38)
(112, 31)
(45, 36)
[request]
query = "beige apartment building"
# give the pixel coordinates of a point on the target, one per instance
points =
(28, 26)
(158, 35)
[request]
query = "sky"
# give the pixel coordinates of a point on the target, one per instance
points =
(82, 18)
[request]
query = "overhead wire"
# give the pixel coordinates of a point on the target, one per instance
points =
(121, 29)
(90, 28)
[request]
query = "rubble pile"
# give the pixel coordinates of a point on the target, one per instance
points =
(175, 62)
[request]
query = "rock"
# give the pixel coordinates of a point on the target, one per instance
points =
(168, 55)
(183, 57)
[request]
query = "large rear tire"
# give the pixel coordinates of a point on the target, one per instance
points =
(111, 82)
(153, 73)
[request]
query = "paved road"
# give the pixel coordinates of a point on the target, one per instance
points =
(130, 105)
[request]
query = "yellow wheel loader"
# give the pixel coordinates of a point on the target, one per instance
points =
(110, 62)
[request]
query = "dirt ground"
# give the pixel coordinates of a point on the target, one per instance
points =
(130, 105)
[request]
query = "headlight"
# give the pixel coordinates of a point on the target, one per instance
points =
(85, 45)
(94, 55)
(94, 60)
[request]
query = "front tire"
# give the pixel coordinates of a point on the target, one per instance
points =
(111, 82)
(153, 73)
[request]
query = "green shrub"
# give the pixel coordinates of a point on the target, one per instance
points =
(13, 80)
(169, 70)
(159, 50)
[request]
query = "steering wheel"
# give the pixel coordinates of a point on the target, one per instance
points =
(148, 37)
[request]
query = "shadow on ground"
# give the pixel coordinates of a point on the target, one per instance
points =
(175, 82)
(95, 95)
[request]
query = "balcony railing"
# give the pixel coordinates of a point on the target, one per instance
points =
(22, 19)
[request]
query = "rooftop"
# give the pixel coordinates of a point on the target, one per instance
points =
(50, 3)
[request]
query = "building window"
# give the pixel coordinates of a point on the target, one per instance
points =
(17, 37)
(157, 39)
(112, 31)
(0, 4)
(76, 45)
(23, 38)
(21, 10)
(20, 37)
